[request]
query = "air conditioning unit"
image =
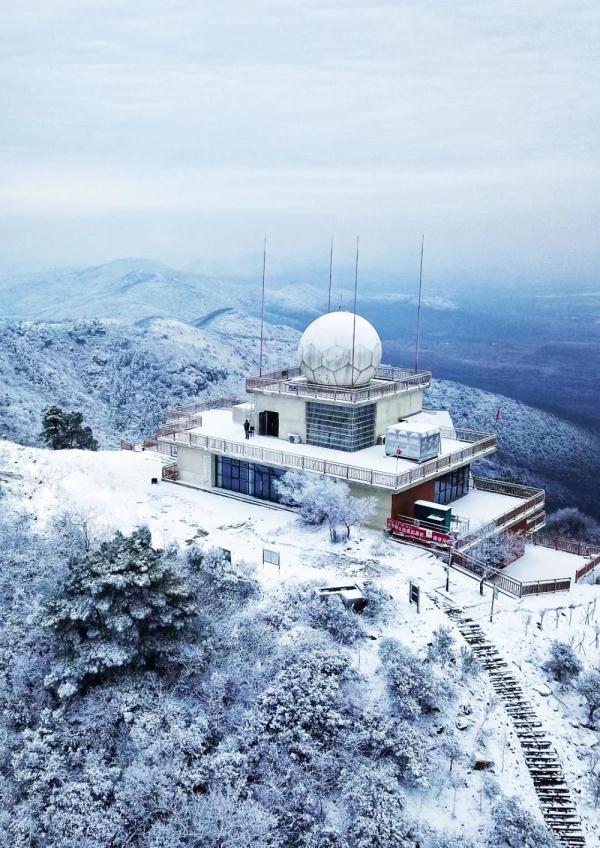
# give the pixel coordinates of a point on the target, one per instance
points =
(294, 438)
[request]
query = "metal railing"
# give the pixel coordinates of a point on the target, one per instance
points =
(392, 381)
(533, 501)
(570, 546)
(353, 474)
(503, 582)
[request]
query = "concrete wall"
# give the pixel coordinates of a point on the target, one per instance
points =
(391, 409)
(291, 409)
(195, 466)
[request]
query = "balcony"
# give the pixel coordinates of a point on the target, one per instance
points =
(387, 381)
(492, 506)
(218, 433)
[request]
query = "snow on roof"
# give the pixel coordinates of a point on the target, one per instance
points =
(219, 424)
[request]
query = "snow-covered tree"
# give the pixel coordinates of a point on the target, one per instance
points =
(324, 500)
(496, 552)
(516, 827)
(63, 430)
(571, 523)
(122, 606)
(414, 688)
(440, 649)
(377, 814)
(564, 664)
(589, 686)
(469, 664)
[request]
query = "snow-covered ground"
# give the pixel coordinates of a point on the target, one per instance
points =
(539, 563)
(219, 424)
(114, 489)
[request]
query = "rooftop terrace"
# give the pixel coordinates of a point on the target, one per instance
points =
(216, 431)
(387, 381)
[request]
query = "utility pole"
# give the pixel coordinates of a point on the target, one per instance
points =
(494, 596)
(262, 310)
(330, 274)
(354, 318)
(419, 306)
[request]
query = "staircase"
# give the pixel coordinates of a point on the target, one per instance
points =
(559, 811)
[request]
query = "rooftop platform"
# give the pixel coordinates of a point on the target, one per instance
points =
(216, 431)
(542, 563)
(387, 381)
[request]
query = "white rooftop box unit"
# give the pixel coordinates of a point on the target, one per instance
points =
(413, 440)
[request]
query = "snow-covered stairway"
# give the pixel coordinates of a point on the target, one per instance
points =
(545, 768)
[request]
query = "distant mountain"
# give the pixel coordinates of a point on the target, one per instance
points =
(538, 447)
(128, 289)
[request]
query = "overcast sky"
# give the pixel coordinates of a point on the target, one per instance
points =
(185, 131)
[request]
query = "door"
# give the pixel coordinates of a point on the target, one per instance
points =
(268, 423)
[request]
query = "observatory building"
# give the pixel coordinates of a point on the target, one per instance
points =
(338, 411)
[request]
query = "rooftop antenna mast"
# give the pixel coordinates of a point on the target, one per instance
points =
(354, 317)
(419, 306)
(330, 274)
(262, 309)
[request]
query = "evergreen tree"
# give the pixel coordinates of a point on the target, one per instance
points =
(64, 430)
(122, 606)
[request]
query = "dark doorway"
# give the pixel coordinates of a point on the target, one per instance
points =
(268, 423)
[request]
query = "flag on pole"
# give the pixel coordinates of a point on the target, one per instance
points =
(498, 415)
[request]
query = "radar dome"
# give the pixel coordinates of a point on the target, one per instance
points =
(325, 353)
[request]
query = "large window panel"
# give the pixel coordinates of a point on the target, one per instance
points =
(346, 428)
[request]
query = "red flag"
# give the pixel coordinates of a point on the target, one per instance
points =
(398, 452)
(498, 415)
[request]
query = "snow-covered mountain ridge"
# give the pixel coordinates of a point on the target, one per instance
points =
(123, 377)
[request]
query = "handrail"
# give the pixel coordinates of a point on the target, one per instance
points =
(353, 474)
(504, 582)
(533, 499)
(393, 380)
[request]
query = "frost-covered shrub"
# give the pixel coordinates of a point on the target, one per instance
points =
(571, 523)
(330, 614)
(449, 840)
(589, 686)
(305, 703)
(376, 806)
(469, 664)
(382, 737)
(303, 604)
(324, 500)
(516, 827)
(380, 603)
(123, 606)
(218, 584)
(440, 649)
(414, 688)
(564, 664)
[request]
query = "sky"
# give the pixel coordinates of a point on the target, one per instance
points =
(187, 131)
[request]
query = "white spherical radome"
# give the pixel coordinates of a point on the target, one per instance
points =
(325, 350)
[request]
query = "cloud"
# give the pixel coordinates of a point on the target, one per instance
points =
(465, 120)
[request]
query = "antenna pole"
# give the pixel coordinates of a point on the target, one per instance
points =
(262, 309)
(419, 306)
(354, 318)
(330, 274)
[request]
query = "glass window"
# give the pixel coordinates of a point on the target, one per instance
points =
(452, 485)
(248, 478)
(347, 428)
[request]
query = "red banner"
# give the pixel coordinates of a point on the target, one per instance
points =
(423, 534)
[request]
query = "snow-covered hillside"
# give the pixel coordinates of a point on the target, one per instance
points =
(535, 446)
(112, 490)
(124, 377)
